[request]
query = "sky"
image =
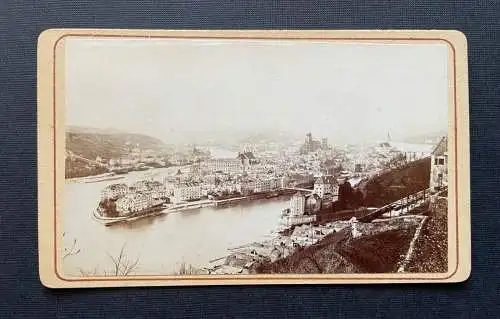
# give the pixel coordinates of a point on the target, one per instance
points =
(172, 88)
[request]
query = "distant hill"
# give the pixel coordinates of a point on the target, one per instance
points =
(82, 129)
(106, 143)
(269, 137)
(429, 138)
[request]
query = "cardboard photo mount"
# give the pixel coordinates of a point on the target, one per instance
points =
(51, 156)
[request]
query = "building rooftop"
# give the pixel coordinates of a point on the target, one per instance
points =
(132, 196)
(246, 155)
(314, 195)
(442, 147)
(115, 186)
(325, 179)
(187, 184)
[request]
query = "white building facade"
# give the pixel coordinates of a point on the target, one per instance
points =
(225, 165)
(297, 204)
(263, 185)
(133, 203)
(186, 192)
(439, 166)
(114, 191)
(324, 185)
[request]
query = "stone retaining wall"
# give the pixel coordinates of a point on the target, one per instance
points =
(439, 205)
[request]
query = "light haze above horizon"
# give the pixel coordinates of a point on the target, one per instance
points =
(192, 90)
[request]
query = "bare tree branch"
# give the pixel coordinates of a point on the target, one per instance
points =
(122, 266)
(72, 250)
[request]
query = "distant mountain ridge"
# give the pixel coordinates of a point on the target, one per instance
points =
(428, 138)
(88, 130)
(232, 138)
(107, 143)
(269, 136)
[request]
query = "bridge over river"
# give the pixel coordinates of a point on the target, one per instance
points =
(298, 189)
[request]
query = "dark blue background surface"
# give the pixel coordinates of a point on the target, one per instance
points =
(22, 295)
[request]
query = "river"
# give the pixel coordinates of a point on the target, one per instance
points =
(218, 152)
(162, 243)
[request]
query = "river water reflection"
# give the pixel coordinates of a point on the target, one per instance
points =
(160, 243)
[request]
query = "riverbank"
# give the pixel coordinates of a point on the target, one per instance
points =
(357, 247)
(110, 221)
(228, 201)
(172, 208)
(98, 175)
(78, 168)
(385, 244)
(336, 247)
(87, 179)
(264, 195)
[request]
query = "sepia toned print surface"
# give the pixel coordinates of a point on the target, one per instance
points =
(252, 157)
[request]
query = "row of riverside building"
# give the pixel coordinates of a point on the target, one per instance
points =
(187, 191)
(242, 163)
(139, 196)
(136, 196)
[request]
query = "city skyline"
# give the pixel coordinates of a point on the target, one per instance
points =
(178, 90)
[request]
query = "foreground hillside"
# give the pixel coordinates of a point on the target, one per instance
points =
(379, 248)
(90, 143)
(382, 246)
(431, 249)
(397, 183)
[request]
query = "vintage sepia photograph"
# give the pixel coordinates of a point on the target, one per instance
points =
(251, 156)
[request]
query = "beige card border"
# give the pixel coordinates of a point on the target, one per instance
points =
(51, 135)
